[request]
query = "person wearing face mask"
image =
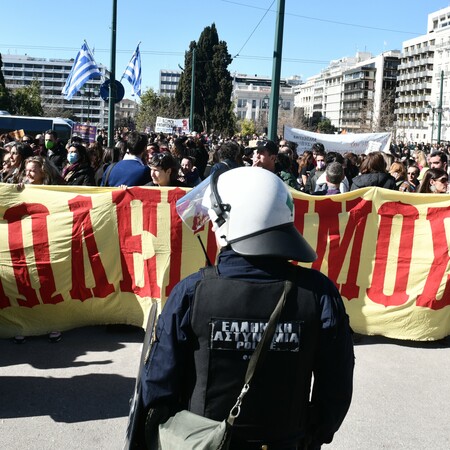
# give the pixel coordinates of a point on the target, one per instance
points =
(55, 151)
(322, 184)
(78, 171)
(314, 175)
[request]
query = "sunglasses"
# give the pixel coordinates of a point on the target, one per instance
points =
(442, 180)
(157, 158)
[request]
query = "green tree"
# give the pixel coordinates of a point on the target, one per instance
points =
(5, 93)
(154, 105)
(247, 127)
(2, 78)
(326, 127)
(27, 100)
(213, 84)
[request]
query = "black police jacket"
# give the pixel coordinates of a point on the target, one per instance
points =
(177, 373)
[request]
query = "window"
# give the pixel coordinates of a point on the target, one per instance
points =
(242, 103)
(253, 104)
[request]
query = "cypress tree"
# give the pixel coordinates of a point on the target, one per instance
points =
(213, 84)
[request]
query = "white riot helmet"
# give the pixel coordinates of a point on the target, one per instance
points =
(252, 211)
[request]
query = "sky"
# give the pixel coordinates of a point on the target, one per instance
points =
(315, 32)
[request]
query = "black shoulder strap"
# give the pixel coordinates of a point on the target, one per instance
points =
(209, 272)
(108, 172)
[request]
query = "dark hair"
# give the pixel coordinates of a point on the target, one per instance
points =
(334, 157)
(52, 133)
(229, 150)
(137, 143)
(165, 161)
(122, 146)
(442, 156)
(284, 162)
(430, 174)
(24, 150)
(318, 147)
(374, 162)
(81, 149)
(416, 169)
(154, 144)
(111, 154)
(76, 140)
(29, 139)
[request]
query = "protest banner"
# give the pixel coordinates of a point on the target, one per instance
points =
(86, 132)
(72, 256)
(166, 125)
(341, 143)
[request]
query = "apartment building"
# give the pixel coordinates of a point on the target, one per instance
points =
(251, 95)
(354, 93)
(86, 105)
(125, 111)
(422, 112)
(168, 82)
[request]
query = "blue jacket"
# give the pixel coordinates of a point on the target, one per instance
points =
(128, 172)
(164, 372)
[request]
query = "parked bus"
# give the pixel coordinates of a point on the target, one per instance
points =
(36, 125)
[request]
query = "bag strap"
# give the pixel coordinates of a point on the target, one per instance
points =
(260, 352)
(108, 171)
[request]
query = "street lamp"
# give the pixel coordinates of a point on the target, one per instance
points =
(265, 105)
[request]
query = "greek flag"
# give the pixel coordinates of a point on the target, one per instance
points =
(133, 72)
(84, 68)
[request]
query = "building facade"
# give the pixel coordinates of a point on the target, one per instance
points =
(86, 106)
(251, 95)
(423, 101)
(355, 93)
(168, 82)
(125, 112)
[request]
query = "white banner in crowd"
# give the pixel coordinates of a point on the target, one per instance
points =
(165, 125)
(348, 142)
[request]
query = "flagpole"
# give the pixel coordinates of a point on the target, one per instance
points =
(112, 79)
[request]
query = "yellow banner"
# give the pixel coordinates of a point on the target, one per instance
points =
(72, 257)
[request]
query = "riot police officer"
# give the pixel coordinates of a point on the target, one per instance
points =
(213, 320)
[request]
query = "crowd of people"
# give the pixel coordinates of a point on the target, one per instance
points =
(158, 159)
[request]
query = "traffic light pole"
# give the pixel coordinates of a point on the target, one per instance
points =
(112, 79)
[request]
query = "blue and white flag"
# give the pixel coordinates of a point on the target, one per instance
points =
(84, 68)
(133, 72)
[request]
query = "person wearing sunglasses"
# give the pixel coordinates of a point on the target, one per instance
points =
(434, 181)
(411, 183)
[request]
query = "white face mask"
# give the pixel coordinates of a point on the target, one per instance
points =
(320, 165)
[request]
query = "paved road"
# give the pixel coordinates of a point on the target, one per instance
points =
(74, 394)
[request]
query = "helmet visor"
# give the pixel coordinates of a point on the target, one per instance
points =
(191, 207)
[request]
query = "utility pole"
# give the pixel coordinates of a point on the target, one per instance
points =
(112, 79)
(439, 108)
(276, 72)
(192, 108)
